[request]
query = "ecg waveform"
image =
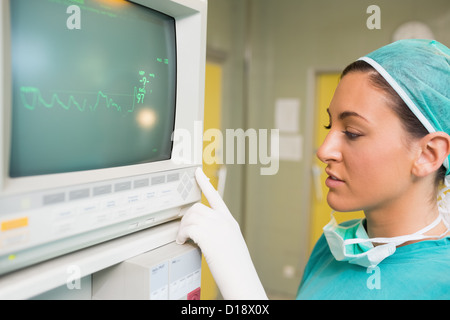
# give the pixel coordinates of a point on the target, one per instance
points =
(37, 100)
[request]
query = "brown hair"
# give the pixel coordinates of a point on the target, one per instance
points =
(410, 122)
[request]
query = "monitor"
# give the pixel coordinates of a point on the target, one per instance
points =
(93, 93)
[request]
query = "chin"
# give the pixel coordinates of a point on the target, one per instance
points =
(340, 205)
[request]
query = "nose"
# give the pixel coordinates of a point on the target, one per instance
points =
(329, 151)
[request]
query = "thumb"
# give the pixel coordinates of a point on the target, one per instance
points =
(194, 224)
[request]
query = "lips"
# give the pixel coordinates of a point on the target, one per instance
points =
(333, 181)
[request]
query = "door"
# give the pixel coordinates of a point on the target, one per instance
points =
(212, 120)
(326, 84)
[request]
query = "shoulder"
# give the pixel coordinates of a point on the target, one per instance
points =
(320, 252)
(320, 248)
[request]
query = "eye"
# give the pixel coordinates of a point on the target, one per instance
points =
(328, 127)
(351, 135)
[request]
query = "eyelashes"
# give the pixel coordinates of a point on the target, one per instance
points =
(348, 134)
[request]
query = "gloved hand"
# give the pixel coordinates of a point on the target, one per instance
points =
(219, 237)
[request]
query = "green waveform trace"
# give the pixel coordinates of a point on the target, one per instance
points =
(37, 100)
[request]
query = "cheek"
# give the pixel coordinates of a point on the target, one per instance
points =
(363, 169)
(377, 170)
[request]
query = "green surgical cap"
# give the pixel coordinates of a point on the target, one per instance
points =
(419, 71)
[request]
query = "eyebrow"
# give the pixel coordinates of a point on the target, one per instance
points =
(347, 114)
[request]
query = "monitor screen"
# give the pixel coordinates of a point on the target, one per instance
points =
(93, 85)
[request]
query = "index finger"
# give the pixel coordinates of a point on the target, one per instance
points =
(211, 194)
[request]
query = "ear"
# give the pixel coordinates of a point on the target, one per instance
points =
(434, 148)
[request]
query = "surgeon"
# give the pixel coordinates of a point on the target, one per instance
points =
(387, 153)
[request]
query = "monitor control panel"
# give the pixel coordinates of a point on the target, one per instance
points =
(35, 225)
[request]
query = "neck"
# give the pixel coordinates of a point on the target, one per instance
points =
(403, 216)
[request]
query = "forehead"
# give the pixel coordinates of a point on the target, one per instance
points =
(356, 95)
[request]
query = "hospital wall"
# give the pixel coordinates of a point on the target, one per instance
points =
(271, 50)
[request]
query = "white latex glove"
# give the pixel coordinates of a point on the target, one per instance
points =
(219, 237)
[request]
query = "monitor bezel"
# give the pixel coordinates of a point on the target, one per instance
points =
(190, 24)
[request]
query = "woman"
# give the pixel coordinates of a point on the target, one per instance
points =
(387, 154)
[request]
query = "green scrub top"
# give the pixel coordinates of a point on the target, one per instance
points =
(417, 271)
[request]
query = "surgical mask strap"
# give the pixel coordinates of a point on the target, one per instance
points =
(401, 239)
